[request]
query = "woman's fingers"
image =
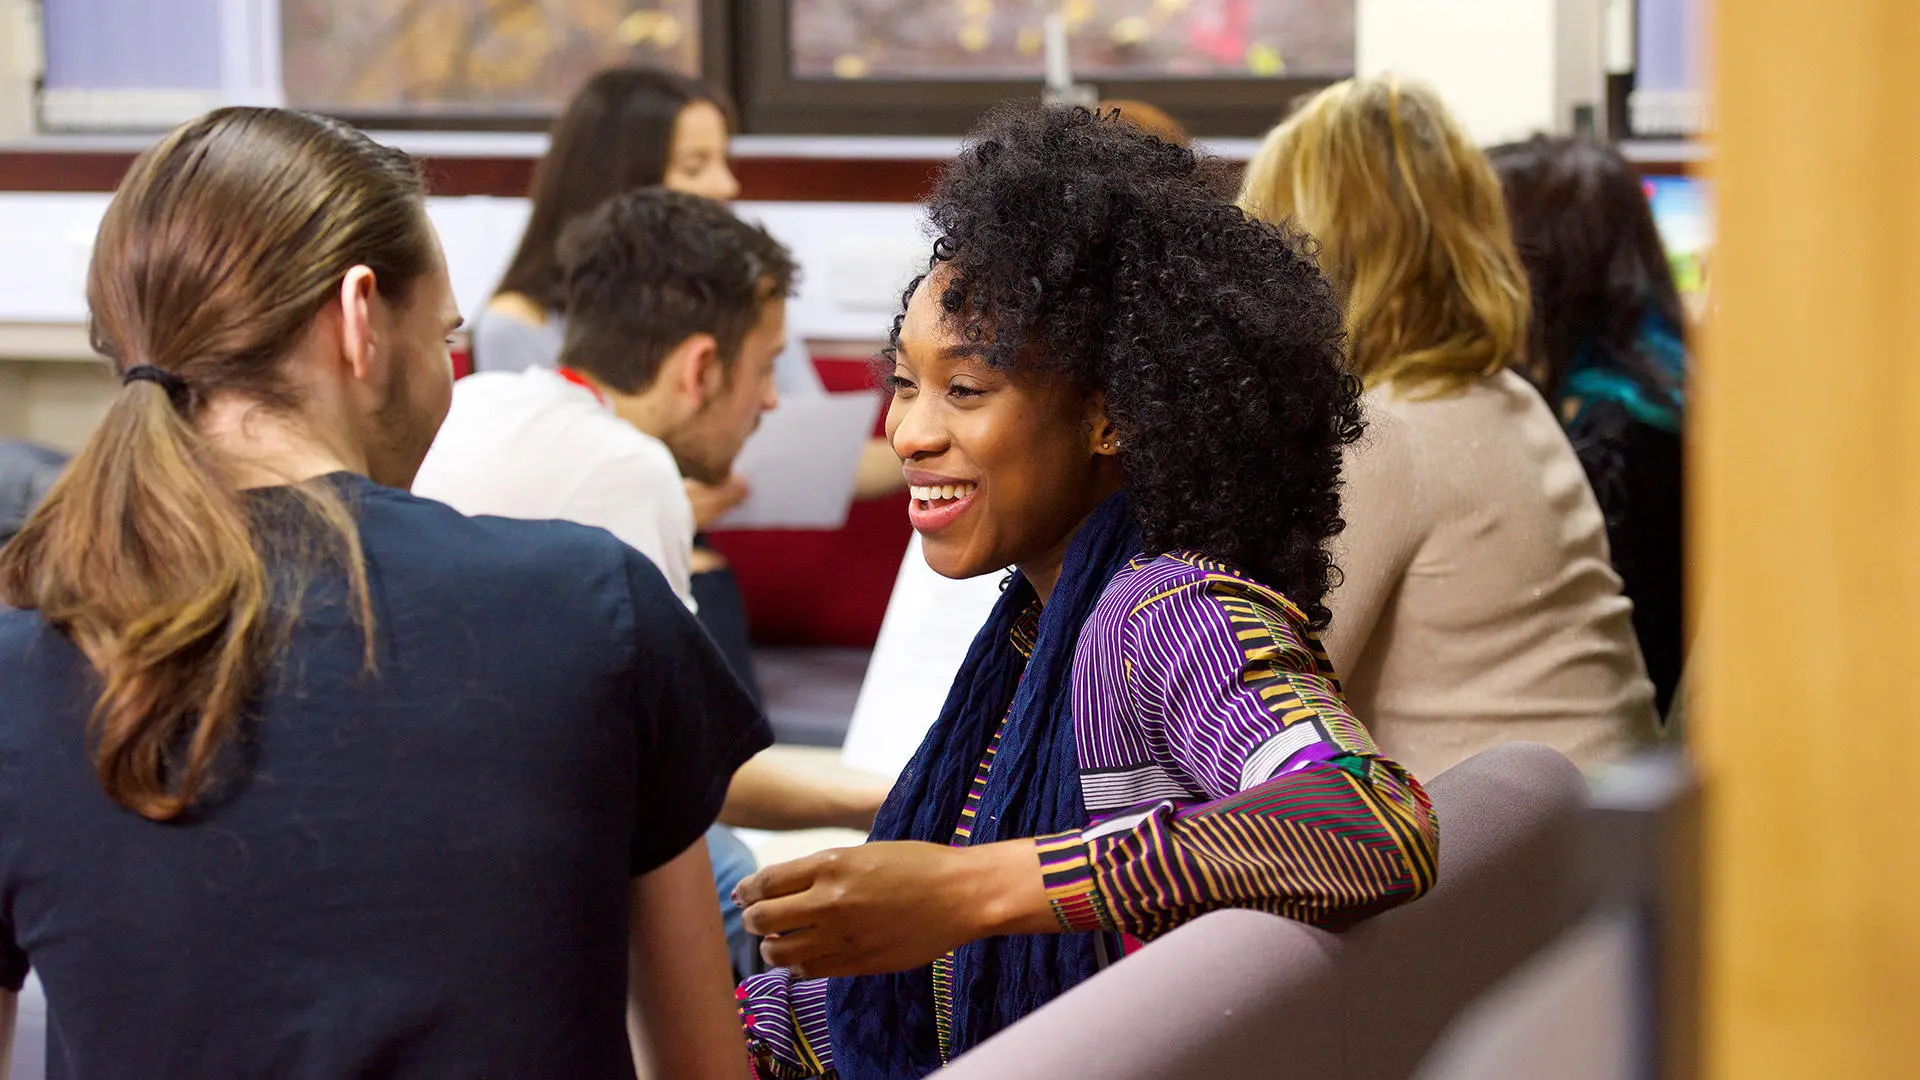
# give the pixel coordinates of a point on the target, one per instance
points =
(781, 915)
(811, 954)
(780, 879)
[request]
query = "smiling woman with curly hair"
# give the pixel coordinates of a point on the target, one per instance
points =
(1116, 383)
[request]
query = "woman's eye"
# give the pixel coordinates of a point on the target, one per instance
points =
(896, 384)
(958, 390)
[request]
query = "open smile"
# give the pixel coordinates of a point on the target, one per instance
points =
(935, 507)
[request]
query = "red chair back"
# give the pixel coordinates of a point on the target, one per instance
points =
(811, 587)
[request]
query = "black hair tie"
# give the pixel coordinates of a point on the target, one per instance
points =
(174, 385)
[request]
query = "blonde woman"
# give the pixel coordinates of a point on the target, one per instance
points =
(1478, 603)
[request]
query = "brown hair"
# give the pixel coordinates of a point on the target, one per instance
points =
(653, 267)
(616, 135)
(1598, 270)
(222, 244)
(1412, 230)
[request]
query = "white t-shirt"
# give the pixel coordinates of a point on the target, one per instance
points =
(529, 444)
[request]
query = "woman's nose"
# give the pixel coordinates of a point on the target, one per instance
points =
(914, 429)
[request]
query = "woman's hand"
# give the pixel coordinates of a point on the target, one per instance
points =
(891, 906)
(712, 500)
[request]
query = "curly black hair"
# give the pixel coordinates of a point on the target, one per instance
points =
(1082, 245)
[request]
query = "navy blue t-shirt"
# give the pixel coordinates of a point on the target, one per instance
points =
(421, 870)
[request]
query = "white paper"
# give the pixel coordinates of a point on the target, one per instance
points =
(799, 466)
(930, 622)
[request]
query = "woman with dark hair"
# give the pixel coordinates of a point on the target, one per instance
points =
(1608, 348)
(300, 775)
(627, 128)
(1117, 384)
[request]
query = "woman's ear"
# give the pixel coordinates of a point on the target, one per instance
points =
(1102, 440)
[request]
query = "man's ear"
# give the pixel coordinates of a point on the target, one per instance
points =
(1102, 440)
(694, 369)
(358, 337)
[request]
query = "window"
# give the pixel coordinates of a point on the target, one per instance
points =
(926, 67)
(1223, 67)
(1119, 39)
(467, 62)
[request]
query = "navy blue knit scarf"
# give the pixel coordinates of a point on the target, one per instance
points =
(883, 1025)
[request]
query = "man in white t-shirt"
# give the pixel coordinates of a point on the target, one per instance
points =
(676, 310)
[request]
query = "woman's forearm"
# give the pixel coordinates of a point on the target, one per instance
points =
(767, 795)
(1326, 845)
(681, 1010)
(1009, 890)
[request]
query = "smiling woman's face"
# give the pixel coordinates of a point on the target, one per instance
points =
(1002, 466)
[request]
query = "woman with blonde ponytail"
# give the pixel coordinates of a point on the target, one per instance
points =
(300, 775)
(1478, 604)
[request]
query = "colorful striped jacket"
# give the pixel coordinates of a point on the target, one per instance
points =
(1220, 768)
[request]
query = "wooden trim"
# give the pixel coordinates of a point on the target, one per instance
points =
(762, 179)
(62, 170)
(1806, 523)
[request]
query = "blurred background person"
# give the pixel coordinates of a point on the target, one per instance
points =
(1608, 348)
(27, 473)
(627, 128)
(1478, 603)
(1149, 118)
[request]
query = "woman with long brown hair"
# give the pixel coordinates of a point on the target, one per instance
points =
(301, 775)
(627, 128)
(1478, 604)
(1609, 345)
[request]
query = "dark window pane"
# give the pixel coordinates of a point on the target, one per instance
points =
(426, 57)
(1114, 39)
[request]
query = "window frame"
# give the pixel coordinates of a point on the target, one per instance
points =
(774, 102)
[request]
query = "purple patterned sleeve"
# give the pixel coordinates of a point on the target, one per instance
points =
(786, 1024)
(1198, 684)
(1228, 770)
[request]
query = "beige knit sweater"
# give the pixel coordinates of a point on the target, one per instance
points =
(1479, 604)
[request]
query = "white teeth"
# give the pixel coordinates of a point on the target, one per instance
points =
(940, 492)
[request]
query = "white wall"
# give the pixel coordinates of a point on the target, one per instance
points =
(855, 259)
(855, 256)
(1508, 68)
(19, 65)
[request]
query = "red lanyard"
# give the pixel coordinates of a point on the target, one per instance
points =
(581, 381)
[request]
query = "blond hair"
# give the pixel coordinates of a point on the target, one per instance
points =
(1412, 230)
